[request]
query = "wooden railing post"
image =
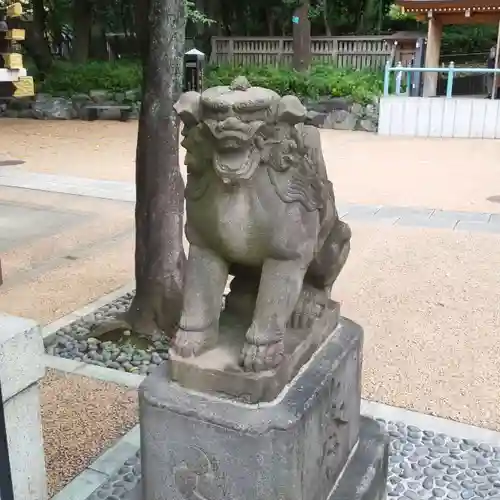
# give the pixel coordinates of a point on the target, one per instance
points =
(335, 51)
(230, 51)
(281, 54)
(214, 57)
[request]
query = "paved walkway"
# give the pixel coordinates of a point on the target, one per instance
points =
(422, 277)
(125, 191)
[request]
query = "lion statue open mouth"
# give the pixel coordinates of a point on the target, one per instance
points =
(261, 208)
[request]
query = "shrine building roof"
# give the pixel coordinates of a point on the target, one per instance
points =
(450, 6)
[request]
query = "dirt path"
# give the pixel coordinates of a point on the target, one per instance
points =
(81, 417)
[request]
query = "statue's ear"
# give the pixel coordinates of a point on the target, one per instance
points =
(291, 110)
(188, 108)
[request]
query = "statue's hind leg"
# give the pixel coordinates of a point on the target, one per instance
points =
(330, 260)
(320, 277)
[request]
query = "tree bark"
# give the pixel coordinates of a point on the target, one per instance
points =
(270, 20)
(141, 9)
(36, 44)
(159, 254)
(302, 37)
(328, 30)
(82, 22)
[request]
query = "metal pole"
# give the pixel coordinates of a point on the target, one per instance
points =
(494, 86)
(6, 489)
(449, 83)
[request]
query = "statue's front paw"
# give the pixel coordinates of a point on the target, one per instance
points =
(258, 358)
(188, 344)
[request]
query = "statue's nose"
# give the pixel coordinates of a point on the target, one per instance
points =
(230, 122)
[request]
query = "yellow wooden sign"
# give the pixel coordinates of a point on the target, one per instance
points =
(24, 87)
(13, 61)
(15, 10)
(15, 34)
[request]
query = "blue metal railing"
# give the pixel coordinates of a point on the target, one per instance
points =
(408, 71)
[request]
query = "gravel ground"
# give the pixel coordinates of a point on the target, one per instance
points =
(81, 417)
(423, 465)
(75, 342)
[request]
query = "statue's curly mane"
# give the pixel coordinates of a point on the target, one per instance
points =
(293, 171)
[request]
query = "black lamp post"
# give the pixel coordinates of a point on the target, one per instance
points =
(6, 490)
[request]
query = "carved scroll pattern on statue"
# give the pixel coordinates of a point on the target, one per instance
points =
(199, 477)
(292, 172)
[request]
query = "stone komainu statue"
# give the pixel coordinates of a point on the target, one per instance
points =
(261, 208)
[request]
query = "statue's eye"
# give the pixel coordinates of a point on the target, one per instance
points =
(252, 115)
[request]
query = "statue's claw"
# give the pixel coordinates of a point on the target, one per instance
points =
(258, 358)
(188, 343)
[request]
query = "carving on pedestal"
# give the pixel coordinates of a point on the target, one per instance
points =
(337, 418)
(198, 477)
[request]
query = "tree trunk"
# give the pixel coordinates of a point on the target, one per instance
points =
(159, 254)
(302, 37)
(270, 22)
(98, 43)
(141, 9)
(328, 31)
(82, 22)
(36, 45)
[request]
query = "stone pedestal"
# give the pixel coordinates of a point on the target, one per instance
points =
(21, 368)
(309, 443)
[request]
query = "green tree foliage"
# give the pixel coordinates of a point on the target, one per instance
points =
(78, 29)
(52, 29)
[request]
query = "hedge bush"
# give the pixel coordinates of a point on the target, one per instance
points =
(68, 79)
(321, 80)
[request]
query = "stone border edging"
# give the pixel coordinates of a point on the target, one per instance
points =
(102, 469)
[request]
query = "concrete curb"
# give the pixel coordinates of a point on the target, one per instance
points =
(125, 379)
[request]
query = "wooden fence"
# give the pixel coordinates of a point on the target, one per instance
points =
(343, 51)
